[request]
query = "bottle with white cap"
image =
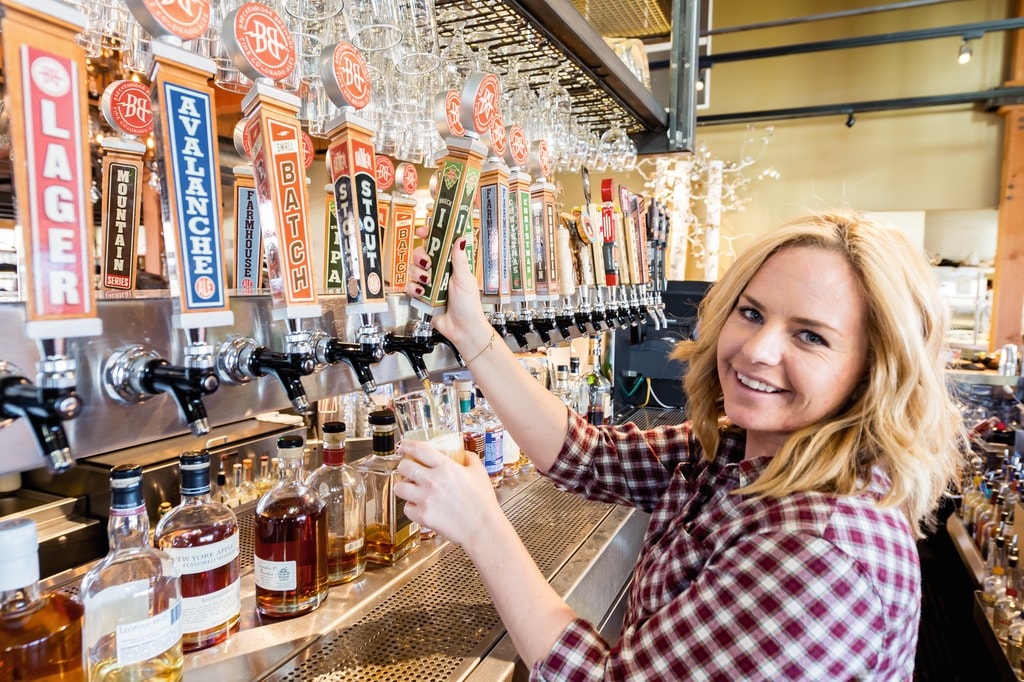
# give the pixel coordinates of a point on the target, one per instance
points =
(40, 634)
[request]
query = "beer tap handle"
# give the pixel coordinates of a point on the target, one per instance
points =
(359, 356)
(437, 337)
(413, 348)
(187, 385)
(45, 409)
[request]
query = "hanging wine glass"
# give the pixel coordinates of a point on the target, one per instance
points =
(373, 24)
(417, 52)
(456, 60)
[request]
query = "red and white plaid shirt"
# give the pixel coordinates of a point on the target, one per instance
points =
(806, 587)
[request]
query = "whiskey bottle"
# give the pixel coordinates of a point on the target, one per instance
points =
(201, 537)
(390, 535)
(132, 597)
(264, 482)
(291, 541)
(488, 430)
(40, 634)
(342, 490)
(599, 389)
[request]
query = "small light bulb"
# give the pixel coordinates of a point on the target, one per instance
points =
(965, 53)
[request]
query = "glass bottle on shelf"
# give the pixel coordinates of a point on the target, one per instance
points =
(247, 491)
(290, 541)
(599, 389)
(390, 535)
(1015, 643)
(577, 386)
(993, 586)
(201, 537)
(264, 481)
(466, 394)
(223, 493)
(561, 389)
(342, 490)
(487, 429)
(40, 633)
(1007, 608)
(237, 479)
(132, 597)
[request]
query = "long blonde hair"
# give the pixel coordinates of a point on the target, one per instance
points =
(904, 418)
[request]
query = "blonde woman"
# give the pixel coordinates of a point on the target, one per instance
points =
(785, 511)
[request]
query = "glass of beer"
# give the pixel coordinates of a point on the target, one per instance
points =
(432, 417)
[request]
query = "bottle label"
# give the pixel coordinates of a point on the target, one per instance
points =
(211, 610)
(494, 455)
(354, 545)
(277, 576)
(192, 560)
(146, 639)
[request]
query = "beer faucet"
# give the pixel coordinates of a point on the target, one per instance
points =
(241, 359)
(524, 329)
(439, 338)
(368, 349)
(413, 346)
(135, 373)
(46, 404)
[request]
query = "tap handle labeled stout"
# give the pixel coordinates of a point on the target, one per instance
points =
(47, 100)
(610, 251)
(353, 172)
(125, 105)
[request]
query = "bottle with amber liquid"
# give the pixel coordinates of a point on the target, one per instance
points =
(390, 535)
(342, 490)
(201, 537)
(132, 597)
(40, 634)
(290, 541)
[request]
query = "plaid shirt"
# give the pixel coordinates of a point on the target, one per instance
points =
(809, 586)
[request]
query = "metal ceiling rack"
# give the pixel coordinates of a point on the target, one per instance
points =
(544, 33)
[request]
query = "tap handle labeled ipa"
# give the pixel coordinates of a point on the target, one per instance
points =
(610, 252)
(48, 105)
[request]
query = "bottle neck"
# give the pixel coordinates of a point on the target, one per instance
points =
(384, 442)
(333, 454)
(17, 599)
(195, 498)
(291, 469)
(128, 528)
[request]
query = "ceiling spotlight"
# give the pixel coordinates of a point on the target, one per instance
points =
(965, 53)
(850, 120)
(699, 85)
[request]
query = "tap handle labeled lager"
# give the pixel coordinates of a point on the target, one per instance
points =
(48, 106)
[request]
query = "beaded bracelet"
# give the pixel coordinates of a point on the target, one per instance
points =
(490, 344)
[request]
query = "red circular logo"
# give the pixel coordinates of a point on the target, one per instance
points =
(205, 287)
(544, 159)
(126, 107)
(486, 103)
(186, 19)
(452, 103)
(307, 150)
(497, 134)
(352, 75)
(409, 178)
(264, 41)
(519, 145)
(384, 169)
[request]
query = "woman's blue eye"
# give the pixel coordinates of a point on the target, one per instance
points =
(752, 314)
(814, 339)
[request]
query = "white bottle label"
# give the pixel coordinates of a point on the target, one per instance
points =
(353, 545)
(192, 560)
(146, 639)
(275, 575)
(211, 610)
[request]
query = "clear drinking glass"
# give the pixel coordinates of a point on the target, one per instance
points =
(434, 420)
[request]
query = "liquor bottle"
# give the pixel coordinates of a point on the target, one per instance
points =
(201, 537)
(237, 480)
(466, 395)
(510, 458)
(132, 597)
(223, 491)
(247, 491)
(390, 535)
(264, 482)
(342, 490)
(599, 390)
(561, 389)
(1006, 608)
(291, 541)
(485, 426)
(993, 586)
(40, 634)
(577, 385)
(1015, 643)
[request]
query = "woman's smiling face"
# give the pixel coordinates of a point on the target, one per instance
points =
(794, 347)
